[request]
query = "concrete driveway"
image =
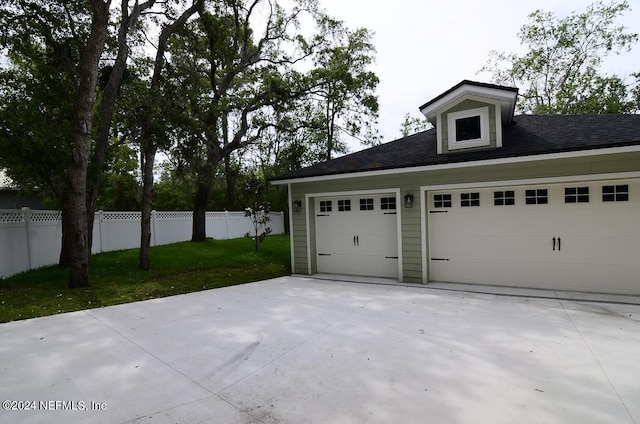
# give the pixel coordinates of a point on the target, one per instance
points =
(304, 350)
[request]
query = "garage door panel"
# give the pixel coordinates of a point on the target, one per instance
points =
(616, 221)
(343, 225)
(368, 220)
(333, 263)
(493, 247)
(377, 266)
(590, 246)
(335, 244)
(598, 250)
(348, 264)
(514, 247)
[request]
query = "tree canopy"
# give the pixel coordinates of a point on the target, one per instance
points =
(561, 70)
(43, 47)
(91, 91)
(345, 99)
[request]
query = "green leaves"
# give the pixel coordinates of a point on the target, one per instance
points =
(411, 125)
(560, 73)
(345, 85)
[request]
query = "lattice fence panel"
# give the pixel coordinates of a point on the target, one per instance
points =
(180, 215)
(213, 215)
(11, 217)
(121, 216)
(46, 216)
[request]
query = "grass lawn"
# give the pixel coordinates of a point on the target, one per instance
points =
(115, 278)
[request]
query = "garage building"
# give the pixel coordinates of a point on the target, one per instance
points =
(485, 197)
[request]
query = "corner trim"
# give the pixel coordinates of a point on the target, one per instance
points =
(291, 243)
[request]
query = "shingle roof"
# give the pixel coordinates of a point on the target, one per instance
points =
(527, 135)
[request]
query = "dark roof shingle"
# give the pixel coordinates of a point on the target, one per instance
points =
(527, 135)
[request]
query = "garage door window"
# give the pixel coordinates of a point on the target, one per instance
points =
(537, 197)
(615, 193)
(325, 206)
(366, 204)
(388, 203)
(576, 195)
(441, 200)
(469, 199)
(344, 205)
(504, 198)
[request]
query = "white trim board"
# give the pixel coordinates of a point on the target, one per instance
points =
(291, 243)
(469, 90)
(485, 136)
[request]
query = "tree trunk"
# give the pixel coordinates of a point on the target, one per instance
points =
(148, 144)
(205, 180)
(76, 251)
(330, 127)
(64, 260)
(229, 177)
(199, 228)
(75, 195)
(64, 250)
(104, 128)
(144, 261)
(107, 108)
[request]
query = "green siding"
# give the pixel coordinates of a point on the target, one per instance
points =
(299, 235)
(411, 182)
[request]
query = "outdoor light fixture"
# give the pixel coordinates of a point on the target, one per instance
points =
(408, 201)
(296, 205)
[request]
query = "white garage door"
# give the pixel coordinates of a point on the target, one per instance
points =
(579, 236)
(357, 235)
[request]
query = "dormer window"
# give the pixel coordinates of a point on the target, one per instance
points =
(471, 115)
(468, 128)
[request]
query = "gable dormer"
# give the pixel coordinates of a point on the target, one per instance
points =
(471, 115)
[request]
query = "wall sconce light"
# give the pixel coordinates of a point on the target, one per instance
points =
(408, 201)
(296, 205)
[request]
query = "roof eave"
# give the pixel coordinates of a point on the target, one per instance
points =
(632, 148)
(507, 97)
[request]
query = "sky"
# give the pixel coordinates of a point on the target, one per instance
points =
(425, 47)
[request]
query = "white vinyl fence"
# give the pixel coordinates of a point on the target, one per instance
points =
(30, 238)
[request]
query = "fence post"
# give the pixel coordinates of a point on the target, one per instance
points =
(154, 239)
(100, 216)
(226, 221)
(26, 215)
